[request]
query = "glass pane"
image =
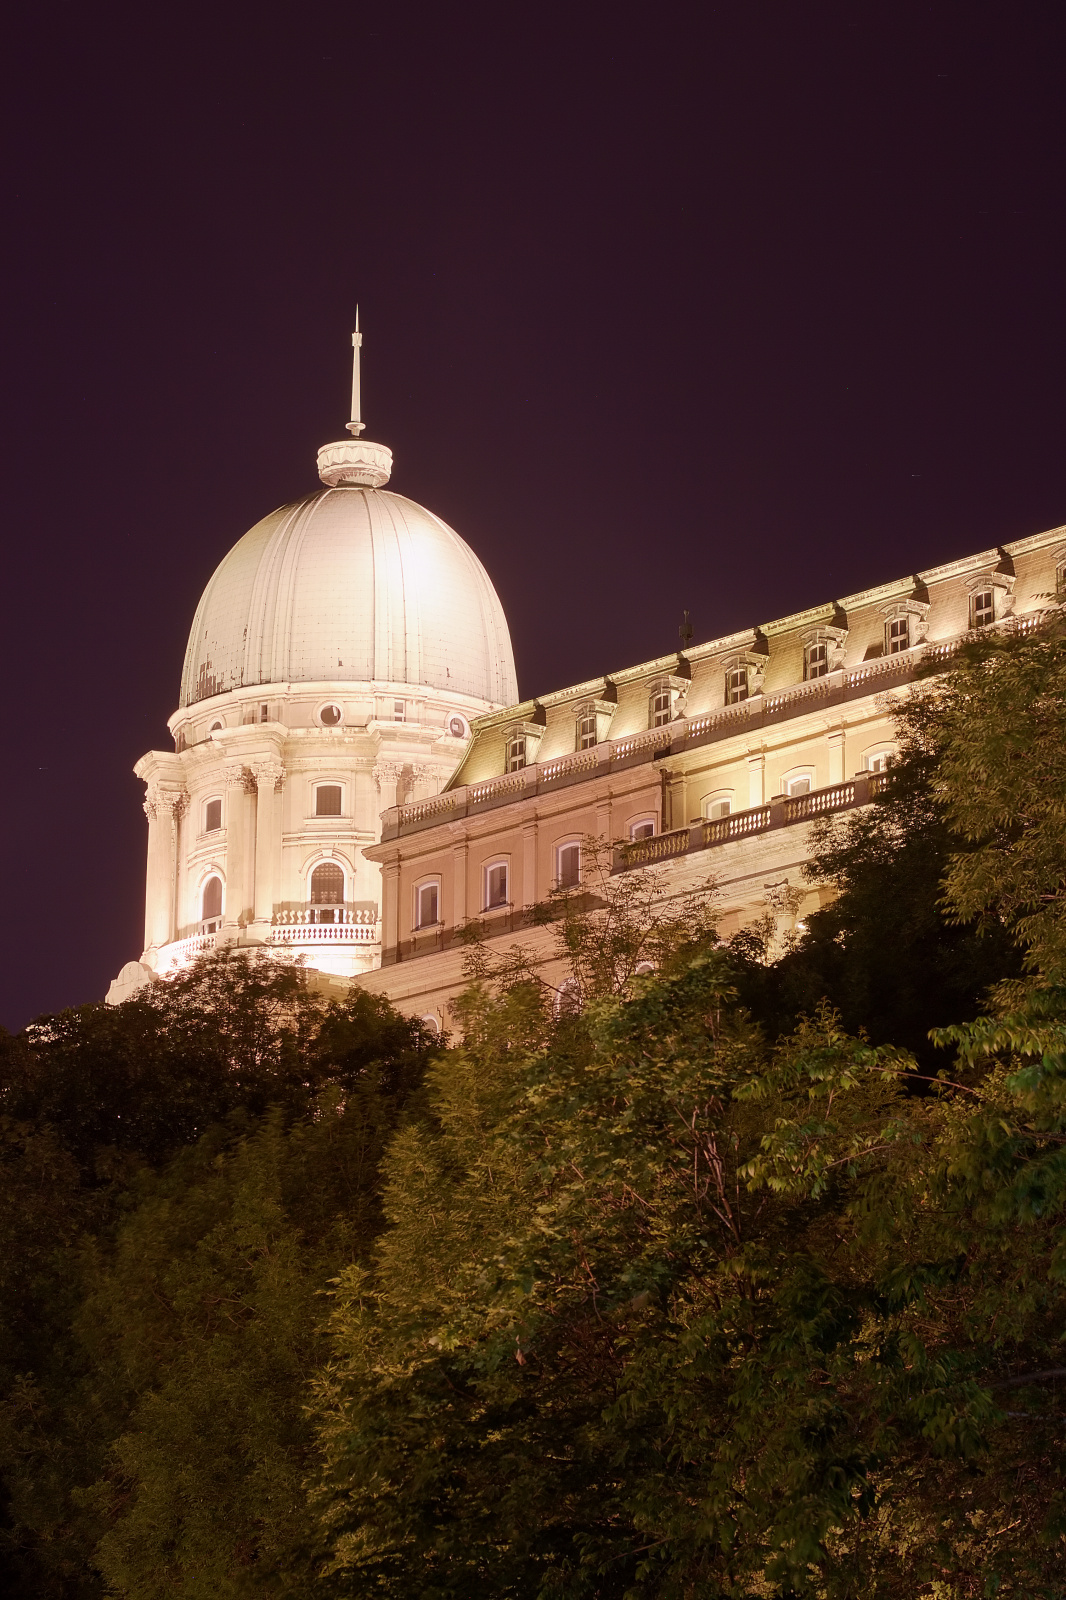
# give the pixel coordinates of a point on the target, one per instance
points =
(427, 905)
(569, 866)
(327, 885)
(328, 800)
(212, 898)
(497, 886)
(212, 816)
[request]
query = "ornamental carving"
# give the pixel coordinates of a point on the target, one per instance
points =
(160, 803)
(238, 777)
(268, 775)
(387, 772)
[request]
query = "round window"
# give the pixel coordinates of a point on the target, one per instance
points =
(457, 728)
(330, 715)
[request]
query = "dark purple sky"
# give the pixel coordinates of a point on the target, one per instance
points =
(734, 308)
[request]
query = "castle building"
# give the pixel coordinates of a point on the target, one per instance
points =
(708, 766)
(355, 783)
(336, 661)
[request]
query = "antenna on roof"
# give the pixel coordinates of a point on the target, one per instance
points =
(356, 426)
(684, 633)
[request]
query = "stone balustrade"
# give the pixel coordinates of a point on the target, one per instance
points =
(782, 812)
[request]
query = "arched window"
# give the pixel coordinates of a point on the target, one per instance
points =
(211, 904)
(327, 891)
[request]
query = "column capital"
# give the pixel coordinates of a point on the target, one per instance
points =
(237, 776)
(269, 775)
(159, 803)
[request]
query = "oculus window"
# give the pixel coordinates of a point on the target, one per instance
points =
(329, 715)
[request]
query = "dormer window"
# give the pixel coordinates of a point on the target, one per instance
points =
(516, 752)
(328, 800)
(897, 635)
(736, 685)
(982, 608)
(661, 709)
(586, 730)
(816, 659)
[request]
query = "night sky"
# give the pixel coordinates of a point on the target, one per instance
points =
(732, 308)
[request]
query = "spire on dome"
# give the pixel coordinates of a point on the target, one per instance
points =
(357, 424)
(355, 463)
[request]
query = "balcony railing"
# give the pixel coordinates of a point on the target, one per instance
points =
(783, 812)
(685, 733)
(325, 933)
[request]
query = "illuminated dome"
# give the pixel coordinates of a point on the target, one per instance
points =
(351, 584)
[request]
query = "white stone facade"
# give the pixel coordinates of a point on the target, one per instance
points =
(335, 663)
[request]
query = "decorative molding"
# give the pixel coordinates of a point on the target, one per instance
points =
(268, 774)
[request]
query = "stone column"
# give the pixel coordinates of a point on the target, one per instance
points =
(757, 779)
(161, 807)
(237, 782)
(836, 755)
(460, 855)
(390, 910)
(529, 865)
(269, 776)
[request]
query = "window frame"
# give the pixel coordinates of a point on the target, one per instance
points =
(796, 775)
(736, 694)
(209, 801)
(432, 882)
(985, 591)
(892, 645)
(498, 864)
(717, 797)
(515, 753)
(216, 919)
(584, 724)
(326, 783)
(882, 753)
(330, 705)
(316, 908)
(815, 655)
(564, 846)
(660, 705)
(649, 821)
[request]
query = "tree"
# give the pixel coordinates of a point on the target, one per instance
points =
(210, 1155)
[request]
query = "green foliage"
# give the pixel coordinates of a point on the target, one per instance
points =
(893, 959)
(184, 1175)
(727, 1281)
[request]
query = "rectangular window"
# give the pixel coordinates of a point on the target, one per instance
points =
(516, 753)
(426, 905)
(495, 886)
(264, 713)
(212, 816)
(982, 608)
(662, 710)
(816, 660)
(898, 635)
(569, 866)
(736, 685)
(328, 800)
(398, 710)
(586, 732)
